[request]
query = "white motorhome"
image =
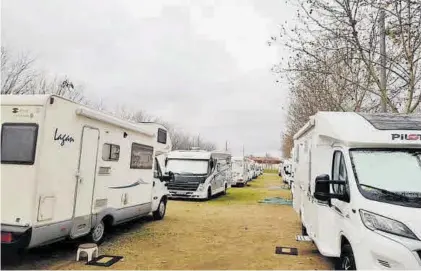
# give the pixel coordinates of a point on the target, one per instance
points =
(198, 174)
(239, 171)
(68, 171)
(287, 171)
(358, 188)
(249, 164)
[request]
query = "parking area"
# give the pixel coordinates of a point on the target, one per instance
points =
(234, 231)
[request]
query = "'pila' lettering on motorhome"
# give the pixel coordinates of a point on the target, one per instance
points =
(406, 136)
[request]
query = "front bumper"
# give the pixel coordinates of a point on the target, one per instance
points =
(174, 194)
(238, 181)
(380, 251)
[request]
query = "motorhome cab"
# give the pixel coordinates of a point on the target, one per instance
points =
(239, 171)
(198, 174)
(69, 171)
(358, 188)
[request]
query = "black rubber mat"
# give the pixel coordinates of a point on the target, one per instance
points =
(105, 260)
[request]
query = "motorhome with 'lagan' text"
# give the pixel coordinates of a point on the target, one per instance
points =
(198, 174)
(358, 188)
(68, 171)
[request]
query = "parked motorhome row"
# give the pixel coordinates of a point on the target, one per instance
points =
(239, 171)
(198, 174)
(358, 188)
(68, 171)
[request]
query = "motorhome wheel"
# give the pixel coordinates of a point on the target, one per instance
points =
(209, 193)
(303, 230)
(225, 190)
(97, 233)
(347, 260)
(160, 212)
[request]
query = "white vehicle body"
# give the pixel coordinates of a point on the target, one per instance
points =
(259, 168)
(67, 169)
(255, 169)
(239, 171)
(250, 172)
(374, 208)
(198, 174)
(287, 172)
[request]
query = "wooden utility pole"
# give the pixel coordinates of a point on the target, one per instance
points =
(383, 85)
(226, 145)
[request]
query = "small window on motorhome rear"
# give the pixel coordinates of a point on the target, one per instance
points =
(18, 143)
(141, 156)
(162, 136)
(110, 152)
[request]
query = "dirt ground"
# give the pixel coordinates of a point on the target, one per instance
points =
(229, 232)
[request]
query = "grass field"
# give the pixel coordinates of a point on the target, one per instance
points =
(229, 232)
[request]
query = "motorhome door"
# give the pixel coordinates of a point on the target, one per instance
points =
(85, 182)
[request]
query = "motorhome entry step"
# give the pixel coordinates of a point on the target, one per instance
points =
(105, 260)
(303, 238)
(287, 250)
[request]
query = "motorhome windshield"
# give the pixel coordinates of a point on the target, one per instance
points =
(237, 164)
(389, 175)
(18, 143)
(184, 166)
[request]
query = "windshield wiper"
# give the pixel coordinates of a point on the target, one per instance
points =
(387, 192)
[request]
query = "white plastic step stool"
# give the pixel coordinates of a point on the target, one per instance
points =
(90, 249)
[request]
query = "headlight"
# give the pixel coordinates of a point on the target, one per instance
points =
(200, 188)
(377, 222)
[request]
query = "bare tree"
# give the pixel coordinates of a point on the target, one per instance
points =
(16, 75)
(335, 61)
(19, 77)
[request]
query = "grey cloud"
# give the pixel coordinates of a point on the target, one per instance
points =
(159, 64)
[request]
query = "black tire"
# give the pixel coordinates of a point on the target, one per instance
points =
(97, 233)
(347, 260)
(160, 212)
(303, 230)
(225, 190)
(209, 197)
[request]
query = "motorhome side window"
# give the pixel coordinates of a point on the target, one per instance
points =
(339, 172)
(18, 143)
(141, 156)
(110, 152)
(162, 136)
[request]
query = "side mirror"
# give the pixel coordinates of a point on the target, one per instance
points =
(167, 178)
(322, 189)
(156, 174)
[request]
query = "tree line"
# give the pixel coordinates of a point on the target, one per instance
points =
(337, 63)
(19, 77)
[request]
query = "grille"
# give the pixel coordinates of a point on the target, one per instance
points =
(183, 186)
(384, 263)
(186, 183)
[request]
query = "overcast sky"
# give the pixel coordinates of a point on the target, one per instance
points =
(201, 65)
